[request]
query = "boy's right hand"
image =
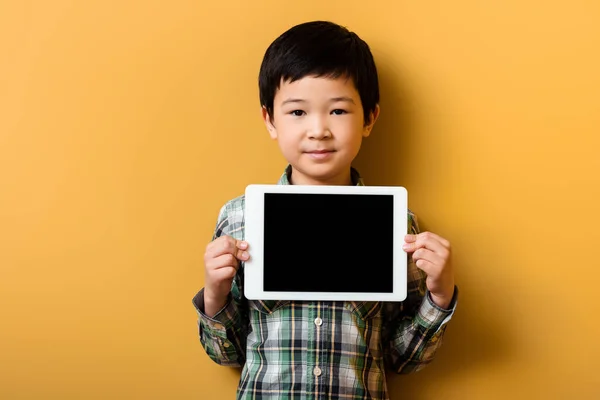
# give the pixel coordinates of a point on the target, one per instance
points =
(221, 260)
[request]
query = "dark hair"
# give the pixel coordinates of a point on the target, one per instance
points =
(322, 49)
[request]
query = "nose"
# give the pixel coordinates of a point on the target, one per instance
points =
(319, 129)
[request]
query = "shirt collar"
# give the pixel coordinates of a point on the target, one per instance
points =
(354, 176)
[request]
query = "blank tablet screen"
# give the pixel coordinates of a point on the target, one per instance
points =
(328, 243)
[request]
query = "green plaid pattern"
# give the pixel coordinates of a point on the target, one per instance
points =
(300, 350)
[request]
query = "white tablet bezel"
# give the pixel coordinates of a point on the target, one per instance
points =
(254, 235)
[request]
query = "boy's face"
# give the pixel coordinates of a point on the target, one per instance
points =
(319, 125)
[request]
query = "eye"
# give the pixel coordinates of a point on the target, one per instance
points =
(297, 113)
(339, 112)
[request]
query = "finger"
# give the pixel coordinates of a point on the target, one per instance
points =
(429, 256)
(226, 258)
(424, 236)
(224, 245)
(241, 250)
(429, 241)
(442, 240)
(425, 266)
(223, 261)
(219, 246)
(439, 257)
(436, 237)
(410, 238)
(242, 255)
(223, 274)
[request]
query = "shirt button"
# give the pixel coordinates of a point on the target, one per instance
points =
(226, 345)
(318, 321)
(317, 371)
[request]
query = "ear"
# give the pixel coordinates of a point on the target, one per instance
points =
(372, 119)
(269, 123)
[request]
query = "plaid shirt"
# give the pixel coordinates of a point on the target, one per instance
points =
(319, 349)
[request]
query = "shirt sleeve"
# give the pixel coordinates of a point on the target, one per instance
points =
(413, 330)
(223, 336)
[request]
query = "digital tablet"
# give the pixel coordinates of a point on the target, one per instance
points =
(325, 243)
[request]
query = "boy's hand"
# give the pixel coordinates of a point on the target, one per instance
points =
(431, 253)
(221, 260)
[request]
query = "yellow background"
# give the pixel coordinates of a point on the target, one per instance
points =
(125, 125)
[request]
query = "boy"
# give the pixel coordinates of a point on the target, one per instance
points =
(319, 95)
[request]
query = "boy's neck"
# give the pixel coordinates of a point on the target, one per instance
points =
(344, 179)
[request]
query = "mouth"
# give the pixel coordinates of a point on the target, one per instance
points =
(319, 151)
(320, 154)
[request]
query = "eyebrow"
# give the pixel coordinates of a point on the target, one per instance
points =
(343, 98)
(287, 101)
(332, 100)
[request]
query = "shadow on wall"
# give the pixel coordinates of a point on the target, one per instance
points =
(474, 337)
(384, 156)
(474, 341)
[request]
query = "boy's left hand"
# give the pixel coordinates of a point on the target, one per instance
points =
(431, 253)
